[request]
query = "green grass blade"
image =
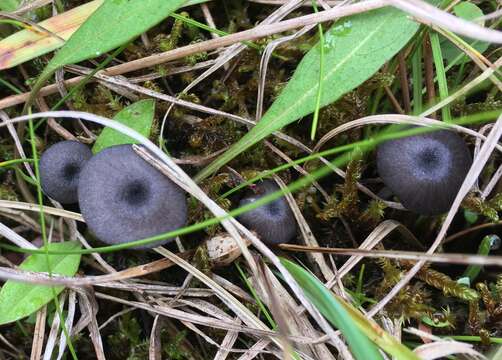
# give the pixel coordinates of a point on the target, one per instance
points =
(488, 243)
(331, 309)
(441, 75)
(344, 316)
(356, 47)
(315, 119)
(376, 334)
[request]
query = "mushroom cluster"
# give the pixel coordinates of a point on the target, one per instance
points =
(425, 171)
(122, 198)
(273, 222)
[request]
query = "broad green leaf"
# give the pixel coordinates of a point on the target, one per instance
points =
(18, 299)
(9, 5)
(331, 309)
(114, 23)
(138, 116)
(27, 44)
(451, 53)
(355, 48)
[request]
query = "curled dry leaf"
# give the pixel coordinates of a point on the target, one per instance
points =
(30, 43)
(222, 249)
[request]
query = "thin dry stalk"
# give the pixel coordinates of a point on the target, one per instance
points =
(72, 299)
(450, 258)
(7, 204)
(155, 346)
(463, 90)
(53, 334)
(436, 352)
(227, 343)
(373, 239)
(39, 334)
(482, 62)
(284, 323)
(492, 183)
(299, 323)
(45, 279)
(15, 238)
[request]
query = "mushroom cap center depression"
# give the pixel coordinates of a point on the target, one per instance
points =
(135, 192)
(433, 161)
(70, 171)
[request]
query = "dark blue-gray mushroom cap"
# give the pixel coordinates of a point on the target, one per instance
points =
(425, 171)
(273, 222)
(123, 198)
(60, 167)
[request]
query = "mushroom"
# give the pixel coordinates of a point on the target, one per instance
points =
(425, 171)
(123, 198)
(60, 166)
(274, 222)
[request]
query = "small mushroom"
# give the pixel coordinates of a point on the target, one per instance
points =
(274, 222)
(425, 171)
(123, 198)
(60, 166)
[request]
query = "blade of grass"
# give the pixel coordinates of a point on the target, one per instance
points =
(210, 29)
(331, 309)
(262, 306)
(10, 86)
(375, 333)
(321, 73)
(488, 243)
(441, 74)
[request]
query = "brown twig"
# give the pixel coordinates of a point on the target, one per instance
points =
(393, 100)
(403, 77)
